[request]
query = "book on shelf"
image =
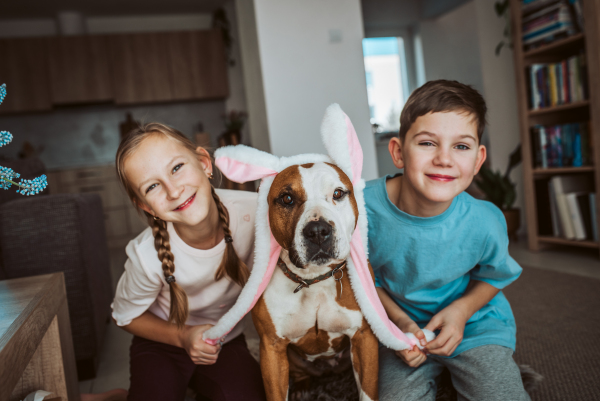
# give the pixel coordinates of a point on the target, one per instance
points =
(563, 145)
(546, 21)
(594, 216)
(570, 204)
(559, 83)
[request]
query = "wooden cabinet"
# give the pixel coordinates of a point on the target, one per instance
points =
(79, 69)
(23, 67)
(121, 220)
(125, 68)
(198, 65)
(140, 68)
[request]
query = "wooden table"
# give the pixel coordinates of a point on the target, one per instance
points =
(36, 348)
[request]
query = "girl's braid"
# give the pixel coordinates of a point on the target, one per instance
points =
(231, 264)
(179, 302)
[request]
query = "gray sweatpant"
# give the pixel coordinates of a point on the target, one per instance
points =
(485, 373)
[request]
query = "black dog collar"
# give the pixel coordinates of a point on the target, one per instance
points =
(307, 283)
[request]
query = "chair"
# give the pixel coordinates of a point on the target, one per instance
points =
(64, 232)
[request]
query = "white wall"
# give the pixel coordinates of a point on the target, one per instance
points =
(499, 86)
(303, 72)
(451, 47)
(252, 74)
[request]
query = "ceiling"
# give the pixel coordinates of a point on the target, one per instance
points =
(12, 9)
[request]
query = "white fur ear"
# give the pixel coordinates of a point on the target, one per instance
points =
(241, 163)
(341, 142)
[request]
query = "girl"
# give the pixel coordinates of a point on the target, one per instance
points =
(184, 272)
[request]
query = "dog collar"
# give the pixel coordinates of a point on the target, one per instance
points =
(307, 283)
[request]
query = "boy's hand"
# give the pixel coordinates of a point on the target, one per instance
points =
(451, 320)
(199, 351)
(415, 357)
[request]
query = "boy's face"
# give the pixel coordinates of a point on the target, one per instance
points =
(440, 156)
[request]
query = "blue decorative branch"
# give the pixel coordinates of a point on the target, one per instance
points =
(8, 176)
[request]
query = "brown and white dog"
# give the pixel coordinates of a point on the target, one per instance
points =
(311, 287)
(312, 214)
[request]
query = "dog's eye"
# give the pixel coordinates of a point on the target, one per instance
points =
(338, 194)
(286, 199)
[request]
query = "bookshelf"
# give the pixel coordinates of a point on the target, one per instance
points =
(587, 42)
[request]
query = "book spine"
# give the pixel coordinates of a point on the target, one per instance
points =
(559, 145)
(557, 230)
(567, 145)
(572, 84)
(578, 88)
(577, 145)
(575, 215)
(563, 209)
(583, 81)
(559, 83)
(594, 217)
(565, 81)
(553, 85)
(586, 159)
(541, 85)
(535, 94)
(544, 146)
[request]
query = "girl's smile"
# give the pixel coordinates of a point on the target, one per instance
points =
(172, 182)
(185, 204)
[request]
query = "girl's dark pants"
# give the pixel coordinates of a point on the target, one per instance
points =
(163, 372)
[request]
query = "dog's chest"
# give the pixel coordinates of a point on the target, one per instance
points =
(309, 310)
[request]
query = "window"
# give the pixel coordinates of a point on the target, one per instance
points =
(386, 81)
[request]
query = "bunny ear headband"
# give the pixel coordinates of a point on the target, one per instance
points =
(241, 164)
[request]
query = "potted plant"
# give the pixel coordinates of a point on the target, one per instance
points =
(234, 122)
(501, 191)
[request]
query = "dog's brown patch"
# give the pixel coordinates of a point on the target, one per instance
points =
(283, 219)
(346, 181)
(344, 294)
(315, 341)
(307, 165)
(273, 353)
(340, 343)
(365, 356)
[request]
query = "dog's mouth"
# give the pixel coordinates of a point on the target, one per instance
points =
(321, 258)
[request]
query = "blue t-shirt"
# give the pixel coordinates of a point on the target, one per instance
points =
(425, 263)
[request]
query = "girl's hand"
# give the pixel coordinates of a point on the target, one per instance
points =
(199, 351)
(415, 357)
(451, 320)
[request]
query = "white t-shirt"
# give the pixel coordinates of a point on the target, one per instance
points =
(143, 287)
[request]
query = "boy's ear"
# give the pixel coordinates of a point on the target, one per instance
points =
(481, 156)
(395, 148)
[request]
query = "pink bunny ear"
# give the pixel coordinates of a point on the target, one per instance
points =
(242, 163)
(341, 142)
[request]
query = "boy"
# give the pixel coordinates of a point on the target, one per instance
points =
(440, 256)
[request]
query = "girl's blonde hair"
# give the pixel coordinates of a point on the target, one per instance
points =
(231, 265)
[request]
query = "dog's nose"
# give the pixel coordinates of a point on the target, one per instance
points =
(317, 232)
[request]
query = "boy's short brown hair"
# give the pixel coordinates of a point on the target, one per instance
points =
(443, 96)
